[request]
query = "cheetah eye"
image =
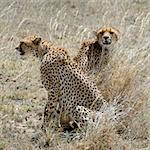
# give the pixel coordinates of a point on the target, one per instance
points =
(101, 33)
(111, 33)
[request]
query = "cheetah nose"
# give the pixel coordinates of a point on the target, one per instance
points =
(107, 40)
(106, 37)
(20, 50)
(17, 48)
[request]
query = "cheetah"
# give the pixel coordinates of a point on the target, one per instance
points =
(93, 55)
(69, 89)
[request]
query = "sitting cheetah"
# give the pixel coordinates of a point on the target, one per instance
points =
(69, 88)
(94, 54)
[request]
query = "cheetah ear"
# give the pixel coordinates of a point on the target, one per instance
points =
(37, 40)
(95, 33)
(117, 33)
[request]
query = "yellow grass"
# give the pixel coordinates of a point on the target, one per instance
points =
(125, 81)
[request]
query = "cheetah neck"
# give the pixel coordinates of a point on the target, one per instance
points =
(43, 49)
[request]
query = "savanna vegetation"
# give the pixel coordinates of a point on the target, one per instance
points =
(125, 81)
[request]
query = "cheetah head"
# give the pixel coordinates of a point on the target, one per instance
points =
(29, 44)
(107, 36)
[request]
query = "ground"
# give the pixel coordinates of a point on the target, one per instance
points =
(68, 23)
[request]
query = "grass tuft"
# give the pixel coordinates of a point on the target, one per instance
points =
(125, 82)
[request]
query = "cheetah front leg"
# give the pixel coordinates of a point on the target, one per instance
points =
(51, 111)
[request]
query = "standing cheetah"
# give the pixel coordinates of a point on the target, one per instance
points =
(69, 88)
(94, 54)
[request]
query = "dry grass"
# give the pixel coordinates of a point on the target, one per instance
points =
(67, 23)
